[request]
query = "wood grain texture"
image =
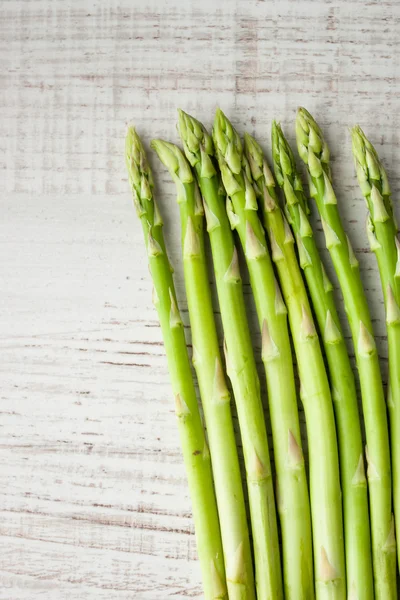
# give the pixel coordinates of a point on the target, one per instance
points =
(93, 499)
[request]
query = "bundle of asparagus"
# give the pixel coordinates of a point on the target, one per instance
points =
(326, 542)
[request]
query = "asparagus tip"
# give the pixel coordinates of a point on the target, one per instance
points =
(172, 157)
(166, 154)
(228, 147)
(139, 172)
(219, 113)
(276, 133)
(182, 122)
(254, 155)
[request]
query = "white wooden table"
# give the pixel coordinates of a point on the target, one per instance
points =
(93, 498)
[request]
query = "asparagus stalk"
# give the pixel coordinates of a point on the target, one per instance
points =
(344, 396)
(241, 364)
(207, 361)
(382, 233)
(315, 153)
(194, 446)
(326, 509)
(294, 506)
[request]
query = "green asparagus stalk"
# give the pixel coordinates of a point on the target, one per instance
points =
(344, 396)
(195, 451)
(207, 361)
(293, 506)
(315, 153)
(241, 364)
(325, 494)
(382, 234)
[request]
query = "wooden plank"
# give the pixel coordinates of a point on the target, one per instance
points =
(93, 498)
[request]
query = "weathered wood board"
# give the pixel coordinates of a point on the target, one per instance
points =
(93, 498)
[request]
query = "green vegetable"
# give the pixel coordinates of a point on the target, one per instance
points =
(382, 234)
(195, 451)
(354, 485)
(208, 365)
(241, 366)
(293, 505)
(326, 509)
(315, 153)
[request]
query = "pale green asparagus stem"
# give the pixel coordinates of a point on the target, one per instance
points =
(207, 361)
(293, 501)
(325, 495)
(315, 153)
(194, 446)
(241, 364)
(344, 396)
(382, 234)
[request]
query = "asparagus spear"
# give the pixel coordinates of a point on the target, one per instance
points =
(294, 506)
(241, 364)
(208, 365)
(326, 509)
(315, 153)
(382, 233)
(194, 446)
(354, 485)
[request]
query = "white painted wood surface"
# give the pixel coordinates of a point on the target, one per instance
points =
(93, 498)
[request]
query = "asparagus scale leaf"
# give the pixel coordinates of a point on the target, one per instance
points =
(354, 486)
(382, 234)
(193, 442)
(293, 501)
(314, 151)
(213, 389)
(325, 493)
(241, 366)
